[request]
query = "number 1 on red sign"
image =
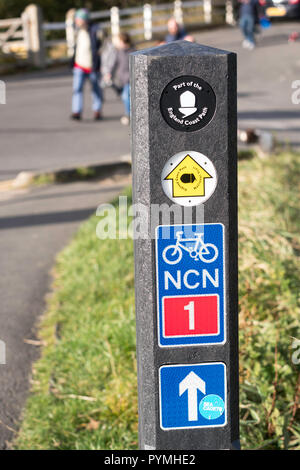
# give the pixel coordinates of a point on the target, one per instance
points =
(190, 307)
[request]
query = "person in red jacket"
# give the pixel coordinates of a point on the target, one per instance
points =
(86, 64)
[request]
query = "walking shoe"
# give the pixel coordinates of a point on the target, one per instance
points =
(97, 116)
(125, 120)
(248, 45)
(76, 116)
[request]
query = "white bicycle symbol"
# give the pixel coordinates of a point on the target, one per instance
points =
(207, 252)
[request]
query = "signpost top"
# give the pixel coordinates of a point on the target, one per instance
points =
(182, 48)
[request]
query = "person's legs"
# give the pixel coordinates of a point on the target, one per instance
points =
(77, 98)
(247, 26)
(96, 92)
(126, 99)
(250, 29)
(243, 25)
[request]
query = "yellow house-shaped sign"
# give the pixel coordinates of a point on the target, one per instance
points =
(188, 178)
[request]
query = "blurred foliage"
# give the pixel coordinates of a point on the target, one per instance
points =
(269, 247)
(55, 10)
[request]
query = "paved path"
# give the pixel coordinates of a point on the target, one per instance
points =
(36, 134)
(34, 226)
(265, 78)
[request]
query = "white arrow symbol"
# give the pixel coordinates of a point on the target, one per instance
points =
(191, 383)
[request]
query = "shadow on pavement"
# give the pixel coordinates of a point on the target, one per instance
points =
(38, 196)
(62, 217)
(275, 40)
(59, 72)
(272, 114)
(248, 94)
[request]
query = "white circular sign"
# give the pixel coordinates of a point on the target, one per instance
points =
(189, 178)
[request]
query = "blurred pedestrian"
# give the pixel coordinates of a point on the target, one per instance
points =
(175, 31)
(86, 64)
(118, 72)
(108, 58)
(249, 17)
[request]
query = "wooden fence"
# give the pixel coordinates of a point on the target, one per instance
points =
(11, 34)
(31, 37)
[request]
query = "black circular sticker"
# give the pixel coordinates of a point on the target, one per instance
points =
(188, 103)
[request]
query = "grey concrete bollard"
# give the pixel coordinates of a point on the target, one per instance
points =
(184, 150)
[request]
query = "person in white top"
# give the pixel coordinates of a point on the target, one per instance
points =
(86, 64)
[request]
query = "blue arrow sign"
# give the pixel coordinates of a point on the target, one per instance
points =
(193, 396)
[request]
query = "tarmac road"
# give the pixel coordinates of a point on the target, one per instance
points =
(36, 132)
(265, 78)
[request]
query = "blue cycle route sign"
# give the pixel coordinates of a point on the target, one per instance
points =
(190, 284)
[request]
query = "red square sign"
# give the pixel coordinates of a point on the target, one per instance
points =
(191, 315)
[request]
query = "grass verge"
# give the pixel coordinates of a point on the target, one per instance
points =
(84, 393)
